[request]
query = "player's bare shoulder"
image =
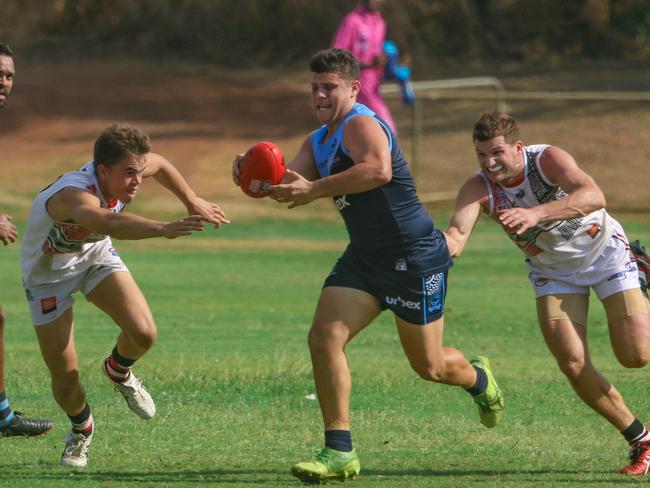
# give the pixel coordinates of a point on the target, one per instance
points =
(365, 128)
(367, 141)
(560, 168)
(554, 161)
(153, 163)
(554, 153)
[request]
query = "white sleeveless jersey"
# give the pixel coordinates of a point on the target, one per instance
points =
(55, 251)
(566, 245)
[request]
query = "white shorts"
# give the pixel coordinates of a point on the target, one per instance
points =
(48, 302)
(612, 272)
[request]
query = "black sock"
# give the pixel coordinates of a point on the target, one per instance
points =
(635, 432)
(341, 440)
(121, 360)
(83, 421)
(481, 382)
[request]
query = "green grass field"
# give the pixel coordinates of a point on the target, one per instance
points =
(230, 375)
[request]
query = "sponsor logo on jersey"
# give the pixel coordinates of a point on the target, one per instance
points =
(332, 157)
(66, 237)
(501, 199)
(593, 231)
(617, 276)
(403, 303)
(329, 162)
(341, 202)
(75, 232)
(48, 305)
(400, 265)
(434, 303)
(520, 194)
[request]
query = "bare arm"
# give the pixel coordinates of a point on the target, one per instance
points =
(368, 147)
(168, 176)
(78, 206)
(584, 195)
(471, 196)
(304, 163)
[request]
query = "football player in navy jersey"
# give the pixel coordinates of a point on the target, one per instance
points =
(396, 259)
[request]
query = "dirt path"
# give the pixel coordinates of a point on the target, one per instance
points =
(200, 120)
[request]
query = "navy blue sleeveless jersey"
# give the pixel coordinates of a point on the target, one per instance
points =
(387, 225)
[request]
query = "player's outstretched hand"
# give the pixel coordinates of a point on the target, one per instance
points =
(517, 219)
(295, 190)
(236, 166)
(8, 231)
(211, 212)
(183, 227)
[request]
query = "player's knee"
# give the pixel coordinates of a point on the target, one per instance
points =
(634, 359)
(430, 372)
(323, 340)
(145, 338)
(632, 363)
(573, 368)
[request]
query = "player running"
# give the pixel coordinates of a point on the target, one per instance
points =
(396, 260)
(67, 248)
(11, 423)
(554, 212)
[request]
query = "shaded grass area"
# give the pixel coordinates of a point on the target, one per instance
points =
(231, 375)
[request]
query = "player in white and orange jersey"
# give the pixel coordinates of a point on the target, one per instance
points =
(67, 248)
(555, 213)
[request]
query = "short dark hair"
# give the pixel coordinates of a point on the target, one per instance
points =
(118, 141)
(5, 49)
(495, 124)
(335, 60)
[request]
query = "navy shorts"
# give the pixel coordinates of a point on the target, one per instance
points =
(414, 298)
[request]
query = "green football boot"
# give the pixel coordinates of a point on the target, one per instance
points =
(329, 464)
(490, 402)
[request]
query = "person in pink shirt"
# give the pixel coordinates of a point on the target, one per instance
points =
(362, 32)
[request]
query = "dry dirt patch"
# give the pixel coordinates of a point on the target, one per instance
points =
(201, 119)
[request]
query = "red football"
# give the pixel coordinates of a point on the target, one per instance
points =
(261, 167)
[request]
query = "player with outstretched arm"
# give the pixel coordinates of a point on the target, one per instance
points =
(67, 248)
(555, 213)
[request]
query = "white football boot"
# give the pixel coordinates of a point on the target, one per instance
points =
(136, 395)
(75, 453)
